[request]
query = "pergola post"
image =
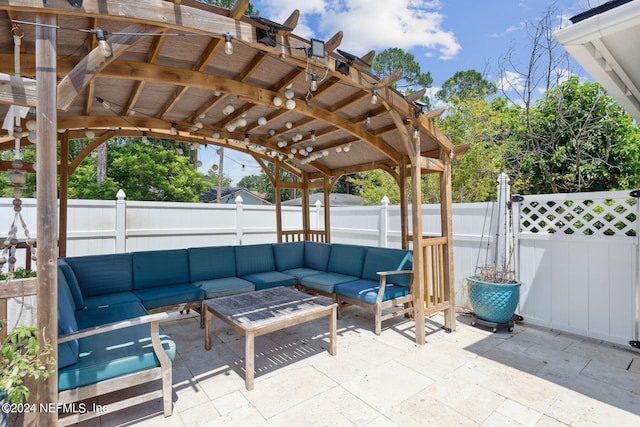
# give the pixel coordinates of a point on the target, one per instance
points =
(278, 199)
(327, 208)
(306, 221)
(447, 232)
(46, 153)
(64, 194)
(418, 262)
(404, 206)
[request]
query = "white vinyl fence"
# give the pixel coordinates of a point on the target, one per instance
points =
(576, 254)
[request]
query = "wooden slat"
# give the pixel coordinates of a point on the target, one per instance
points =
(17, 91)
(238, 9)
(428, 164)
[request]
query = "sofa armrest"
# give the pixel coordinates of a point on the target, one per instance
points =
(383, 281)
(150, 318)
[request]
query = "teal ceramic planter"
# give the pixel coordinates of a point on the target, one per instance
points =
(493, 302)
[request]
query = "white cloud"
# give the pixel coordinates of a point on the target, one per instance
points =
(512, 81)
(371, 24)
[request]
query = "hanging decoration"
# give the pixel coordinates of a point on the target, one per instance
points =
(16, 175)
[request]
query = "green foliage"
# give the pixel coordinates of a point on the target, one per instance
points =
(413, 79)
(23, 356)
(18, 273)
(373, 185)
(464, 85)
(577, 138)
(144, 172)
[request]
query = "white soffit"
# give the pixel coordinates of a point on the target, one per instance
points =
(607, 46)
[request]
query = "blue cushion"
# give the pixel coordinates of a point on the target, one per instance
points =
(113, 354)
(163, 296)
(110, 299)
(270, 279)
(384, 259)
(367, 291)
(67, 351)
(316, 255)
(72, 282)
(97, 316)
(326, 282)
(288, 255)
(223, 287)
(152, 269)
(102, 274)
(215, 262)
(347, 259)
(254, 259)
(302, 272)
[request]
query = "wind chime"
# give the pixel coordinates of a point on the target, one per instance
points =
(17, 175)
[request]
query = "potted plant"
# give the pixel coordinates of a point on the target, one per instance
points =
(22, 356)
(494, 294)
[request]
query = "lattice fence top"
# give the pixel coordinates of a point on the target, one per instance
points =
(593, 217)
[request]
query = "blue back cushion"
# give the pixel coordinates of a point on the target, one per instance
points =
(102, 274)
(65, 270)
(347, 259)
(160, 268)
(215, 262)
(316, 255)
(67, 351)
(288, 255)
(254, 259)
(383, 259)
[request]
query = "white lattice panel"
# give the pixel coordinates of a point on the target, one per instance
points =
(603, 217)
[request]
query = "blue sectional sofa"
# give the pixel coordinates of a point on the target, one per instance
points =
(109, 306)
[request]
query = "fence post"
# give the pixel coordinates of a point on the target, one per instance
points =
(239, 219)
(318, 206)
(384, 222)
(121, 222)
(503, 231)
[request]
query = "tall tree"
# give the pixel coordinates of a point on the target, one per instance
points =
(413, 79)
(464, 85)
(144, 172)
(577, 139)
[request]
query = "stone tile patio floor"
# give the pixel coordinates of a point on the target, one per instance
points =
(531, 377)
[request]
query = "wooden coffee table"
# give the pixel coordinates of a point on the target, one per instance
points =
(260, 312)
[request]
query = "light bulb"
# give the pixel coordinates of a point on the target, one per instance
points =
(291, 104)
(104, 47)
(374, 96)
(272, 132)
(198, 163)
(90, 134)
(288, 125)
(242, 122)
(262, 121)
(174, 129)
(277, 101)
(228, 46)
(145, 138)
(347, 148)
(314, 82)
(215, 135)
(31, 124)
(313, 135)
(289, 93)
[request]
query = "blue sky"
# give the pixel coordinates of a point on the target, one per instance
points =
(444, 36)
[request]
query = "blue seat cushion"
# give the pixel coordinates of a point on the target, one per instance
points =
(254, 259)
(347, 259)
(96, 316)
(302, 272)
(67, 323)
(102, 274)
(326, 282)
(110, 299)
(214, 262)
(72, 282)
(270, 279)
(216, 288)
(367, 291)
(113, 354)
(385, 259)
(152, 269)
(316, 255)
(163, 296)
(288, 255)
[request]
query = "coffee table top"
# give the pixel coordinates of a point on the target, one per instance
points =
(258, 309)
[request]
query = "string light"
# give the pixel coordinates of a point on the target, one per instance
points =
(374, 96)
(104, 103)
(174, 129)
(228, 46)
(105, 49)
(314, 82)
(313, 135)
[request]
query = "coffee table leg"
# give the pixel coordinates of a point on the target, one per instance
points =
(207, 329)
(332, 331)
(249, 363)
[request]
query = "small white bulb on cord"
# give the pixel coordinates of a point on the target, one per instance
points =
(103, 45)
(314, 82)
(289, 93)
(277, 101)
(90, 134)
(262, 121)
(374, 96)
(228, 46)
(288, 125)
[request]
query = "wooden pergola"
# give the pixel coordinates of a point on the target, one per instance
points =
(200, 74)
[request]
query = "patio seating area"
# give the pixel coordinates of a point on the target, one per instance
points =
(471, 377)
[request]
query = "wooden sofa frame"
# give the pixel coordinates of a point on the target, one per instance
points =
(163, 373)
